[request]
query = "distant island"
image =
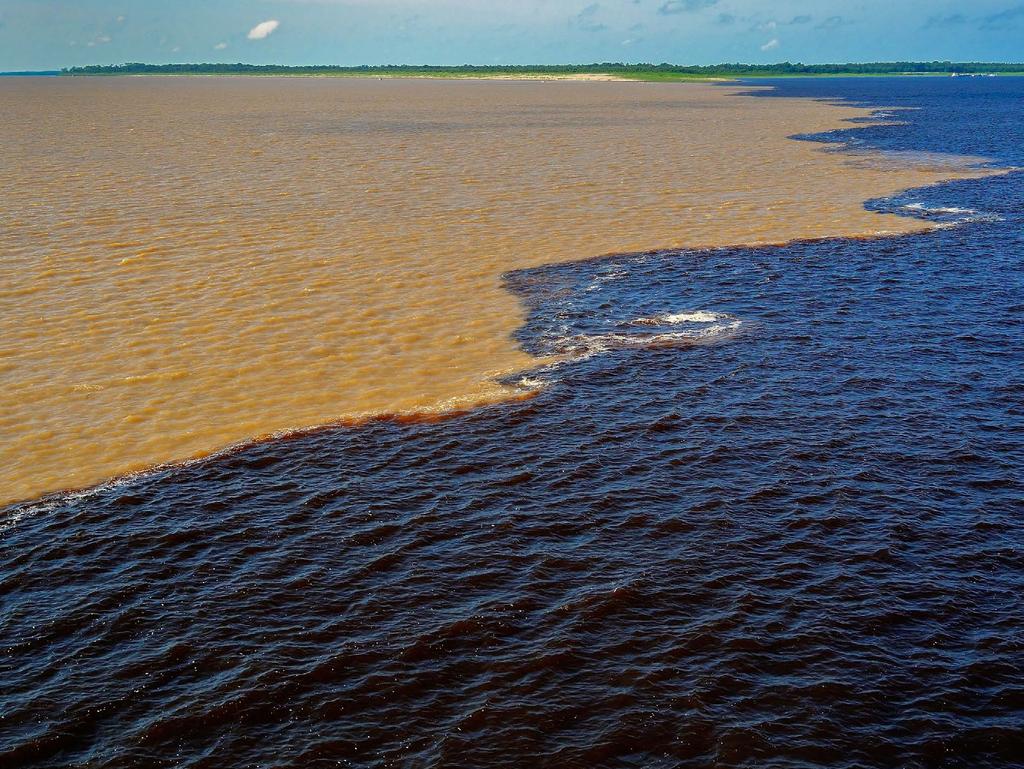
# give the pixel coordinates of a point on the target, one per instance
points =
(616, 69)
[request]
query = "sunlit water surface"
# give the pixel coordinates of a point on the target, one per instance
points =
(766, 512)
(186, 263)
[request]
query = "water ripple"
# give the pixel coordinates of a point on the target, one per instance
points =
(796, 546)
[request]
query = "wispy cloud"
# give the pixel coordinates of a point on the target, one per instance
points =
(586, 20)
(1003, 20)
(938, 22)
(802, 19)
(833, 22)
(263, 29)
(771, 45)
(685, 6)
(220, 46)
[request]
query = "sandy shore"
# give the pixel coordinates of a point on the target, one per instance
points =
(582, 77)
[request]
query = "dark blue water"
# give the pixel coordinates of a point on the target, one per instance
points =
(786, 532)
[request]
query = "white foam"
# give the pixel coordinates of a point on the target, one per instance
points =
(700, 316)
(530, 384)
(595, 284)
(950, 210)
(584, 346)
(24, 511)
(966, 215)
(969, 220)
(675, 318)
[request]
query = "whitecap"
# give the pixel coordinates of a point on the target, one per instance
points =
(584, 346)
(939, 210)
(950, 216)
(692, 316)
(595, 284)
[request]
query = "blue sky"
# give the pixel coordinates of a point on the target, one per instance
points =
(45, 34)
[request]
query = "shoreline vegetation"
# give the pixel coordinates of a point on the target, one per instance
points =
(603, 71)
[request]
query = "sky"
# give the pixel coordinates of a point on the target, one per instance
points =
(50, 34)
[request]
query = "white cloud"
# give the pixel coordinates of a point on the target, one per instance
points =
(263, 29)
(771, 44)
(220, 46)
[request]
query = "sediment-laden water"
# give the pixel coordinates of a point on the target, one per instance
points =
(192, 262)
(764, 512)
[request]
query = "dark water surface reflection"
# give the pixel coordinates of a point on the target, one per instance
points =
(768, 517)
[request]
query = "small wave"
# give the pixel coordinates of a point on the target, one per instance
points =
(939, 210)
(948, 217)
(696, 316)
(531, 384)
(586, 345)
(595, 284)
(968, 220)
(13, 514)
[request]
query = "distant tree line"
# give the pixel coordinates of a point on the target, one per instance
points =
(614, 68)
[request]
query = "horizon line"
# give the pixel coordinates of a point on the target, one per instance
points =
(918, 62)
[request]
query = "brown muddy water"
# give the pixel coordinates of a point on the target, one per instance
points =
(765, 516)
(190, 263)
